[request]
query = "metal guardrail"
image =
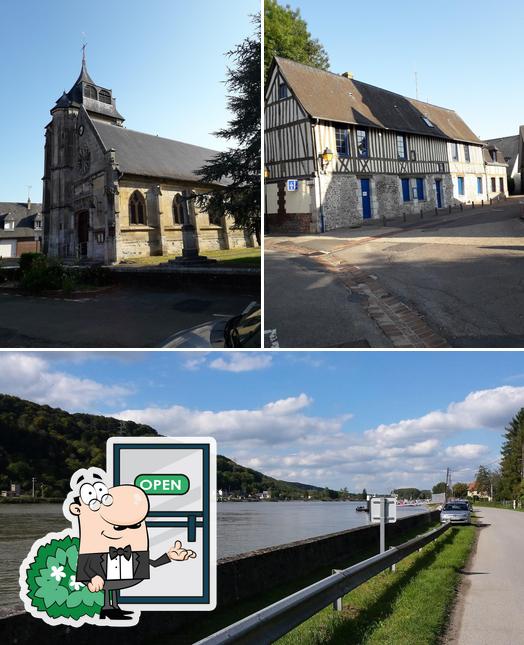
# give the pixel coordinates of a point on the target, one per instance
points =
(269, 624)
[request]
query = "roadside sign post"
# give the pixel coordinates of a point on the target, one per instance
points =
(382, 511)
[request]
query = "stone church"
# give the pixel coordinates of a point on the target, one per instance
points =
(111, 193)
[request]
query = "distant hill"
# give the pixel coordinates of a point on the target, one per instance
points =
(50, 444)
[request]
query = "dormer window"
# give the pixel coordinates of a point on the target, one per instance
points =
(427, 122)
(38, 223)
(90, 92)
(9, 223)
(104, 97)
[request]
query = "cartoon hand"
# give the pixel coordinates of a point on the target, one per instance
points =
(178, 553)
(96, 584)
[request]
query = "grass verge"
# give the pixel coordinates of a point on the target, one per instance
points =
(506, 506)
(226, 257)
(409, 606)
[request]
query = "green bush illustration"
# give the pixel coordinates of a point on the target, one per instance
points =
(52, 586)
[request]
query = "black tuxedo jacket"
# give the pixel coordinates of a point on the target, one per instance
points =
(95, 564)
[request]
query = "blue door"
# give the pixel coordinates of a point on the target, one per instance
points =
(366, 198)
(438, 188)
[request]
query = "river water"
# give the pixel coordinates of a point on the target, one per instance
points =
(242, 526)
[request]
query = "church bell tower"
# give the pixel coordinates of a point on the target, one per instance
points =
(67, 158)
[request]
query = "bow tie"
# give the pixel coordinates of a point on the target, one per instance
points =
(126, 552)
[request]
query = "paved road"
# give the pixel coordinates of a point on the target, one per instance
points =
(125, 317)
(463, 273)
(491, 609)
(309, 307)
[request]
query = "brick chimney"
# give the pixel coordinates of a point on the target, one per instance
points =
(347, 75)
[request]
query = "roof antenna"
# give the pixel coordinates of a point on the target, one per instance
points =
(416, 86)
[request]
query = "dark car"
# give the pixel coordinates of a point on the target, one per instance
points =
(239, 331)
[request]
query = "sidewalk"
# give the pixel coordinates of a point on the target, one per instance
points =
(490, 600)
(341, 238)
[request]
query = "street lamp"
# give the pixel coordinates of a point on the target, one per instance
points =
(325, 157)
(266, 172)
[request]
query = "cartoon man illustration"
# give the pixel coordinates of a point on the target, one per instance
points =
(114, 544)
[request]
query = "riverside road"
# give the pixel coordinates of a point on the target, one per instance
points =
(461, 274)
(490, 608)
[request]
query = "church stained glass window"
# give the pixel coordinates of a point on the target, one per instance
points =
(137, 208)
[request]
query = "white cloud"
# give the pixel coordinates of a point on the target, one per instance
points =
(242, 362)
(279, 422)
(483, 409)
(33, 377)
(283, 439)
(466, 451)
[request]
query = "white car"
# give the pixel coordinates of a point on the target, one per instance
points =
(456, 513)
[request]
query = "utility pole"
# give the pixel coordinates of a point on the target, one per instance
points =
(448, 484)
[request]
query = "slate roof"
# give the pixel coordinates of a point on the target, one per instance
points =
(328, 96)
(508, 147)
(138, 153)
(24, 219)
(76, 97)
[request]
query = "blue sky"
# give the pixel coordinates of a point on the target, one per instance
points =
(164, 61)
(374, 419)
(465, 52)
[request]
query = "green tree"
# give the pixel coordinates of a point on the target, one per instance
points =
(439, 488)
(483, 480)
(238, 169)
(407, 493)
(460, 490)
(511, 462)
(286, 34)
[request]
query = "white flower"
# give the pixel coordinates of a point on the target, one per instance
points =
(74, 584)
(57, 573)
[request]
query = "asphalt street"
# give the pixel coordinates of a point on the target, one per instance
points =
(464, 274)
(490, 603)
(124, 317)
(309, 307)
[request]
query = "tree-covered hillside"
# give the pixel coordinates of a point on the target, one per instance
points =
(50, 444)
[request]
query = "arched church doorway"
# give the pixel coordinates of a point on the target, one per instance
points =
(82, 232)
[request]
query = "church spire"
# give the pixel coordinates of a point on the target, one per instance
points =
(97, 100)
(84, 74)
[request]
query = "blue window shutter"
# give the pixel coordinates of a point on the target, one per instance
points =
(420, 189)
(405, 190)
(479, 185)
(460, 185)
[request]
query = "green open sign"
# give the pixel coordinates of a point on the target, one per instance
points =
(163, 484)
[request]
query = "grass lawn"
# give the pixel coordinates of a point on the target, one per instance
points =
(408, 607)
(508, 506)
(230, 257)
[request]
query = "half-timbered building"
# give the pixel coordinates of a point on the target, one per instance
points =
(510, 150)
(339, 151)
(112, 193)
